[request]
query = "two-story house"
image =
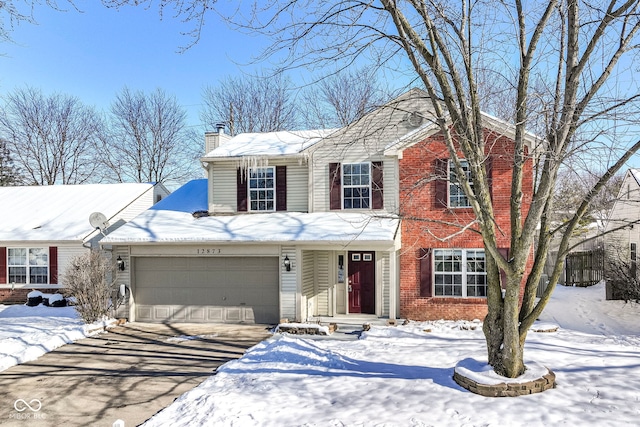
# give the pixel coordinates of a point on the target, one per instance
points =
(298, 225)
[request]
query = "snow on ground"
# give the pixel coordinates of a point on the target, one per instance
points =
(402, 376)
(27, 333)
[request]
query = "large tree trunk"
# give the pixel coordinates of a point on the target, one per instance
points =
(505, 348)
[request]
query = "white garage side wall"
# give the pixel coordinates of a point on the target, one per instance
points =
(307, 280)
(123, 278)
(322, 288)
(288, 284)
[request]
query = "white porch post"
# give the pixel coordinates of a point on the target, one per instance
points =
(393, 285)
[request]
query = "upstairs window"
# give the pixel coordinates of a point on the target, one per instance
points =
(356, 185)
(262, 189)
(457, 198)
(28, 265)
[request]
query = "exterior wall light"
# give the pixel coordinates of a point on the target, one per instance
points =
(120, 263)
(287, 263)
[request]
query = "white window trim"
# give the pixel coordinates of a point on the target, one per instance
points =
(450, 183)
(249, 200)
(342, 168)
(28, 266)
(463, 273)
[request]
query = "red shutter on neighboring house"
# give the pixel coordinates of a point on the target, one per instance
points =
(53, 265)
(441, 183)
(503, 276)
(335, 186)
(281, 188)
(3, 264)
(426, 290)
(377, 195)
(241, 190)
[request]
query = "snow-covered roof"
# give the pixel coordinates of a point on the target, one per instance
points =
(635, 173)
(281, 143)
(163, 226)
(60, 212)
(191, 197)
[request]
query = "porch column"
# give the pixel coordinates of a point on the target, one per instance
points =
(393, 285)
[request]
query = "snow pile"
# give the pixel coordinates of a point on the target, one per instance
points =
(402, 376)
(27, 333)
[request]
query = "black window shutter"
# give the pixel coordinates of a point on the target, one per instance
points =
(241, 190)
(281, 188)
(426, 288)
(335, 186)
(441, 183)
(377, 195)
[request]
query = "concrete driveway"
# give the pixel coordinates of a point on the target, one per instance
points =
(129, 373)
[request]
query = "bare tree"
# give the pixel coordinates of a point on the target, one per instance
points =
(86, 280)
(14, 13)
(261, 103)
(148, 140)
(342, 98)
(52, 137)
(8, 173)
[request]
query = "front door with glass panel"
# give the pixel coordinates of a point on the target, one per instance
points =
(362, 282)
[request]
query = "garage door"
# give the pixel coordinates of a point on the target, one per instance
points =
(228, 290)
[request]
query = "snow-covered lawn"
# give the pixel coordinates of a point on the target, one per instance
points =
(402, 376)
(27, 333)
(393, 376)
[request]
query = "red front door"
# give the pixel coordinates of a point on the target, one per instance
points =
(362, 282)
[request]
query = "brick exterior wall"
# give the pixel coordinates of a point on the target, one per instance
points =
(425, 224)
(19, 295)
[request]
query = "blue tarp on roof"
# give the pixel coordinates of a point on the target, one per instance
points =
(191, 197)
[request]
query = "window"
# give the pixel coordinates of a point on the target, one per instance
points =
(634, 259)
(460, 273)
(356, 185)
(28, 265)
(262, 189)
(457, 198)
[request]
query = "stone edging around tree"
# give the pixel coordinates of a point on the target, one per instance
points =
(546, 382)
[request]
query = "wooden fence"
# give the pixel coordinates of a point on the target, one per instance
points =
(584, 268)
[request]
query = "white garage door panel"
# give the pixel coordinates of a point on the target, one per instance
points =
(230, 290)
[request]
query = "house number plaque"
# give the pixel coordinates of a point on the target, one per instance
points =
(208, 251)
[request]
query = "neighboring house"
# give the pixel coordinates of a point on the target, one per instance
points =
(43, 227)
(622, 231)
(300, 225)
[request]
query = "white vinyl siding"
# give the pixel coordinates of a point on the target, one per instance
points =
(289, 289)
(223, 182)
(384, 265)
(223, 196)
(297, 187)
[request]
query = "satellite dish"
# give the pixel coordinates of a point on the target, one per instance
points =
(98, 220)
(414, 119)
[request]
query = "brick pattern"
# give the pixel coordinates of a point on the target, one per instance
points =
(538, 385)
(19, 295)
(427, 225)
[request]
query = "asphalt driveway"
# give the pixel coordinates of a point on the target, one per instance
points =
(128, 373)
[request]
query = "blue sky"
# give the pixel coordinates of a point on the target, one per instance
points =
(94, 54)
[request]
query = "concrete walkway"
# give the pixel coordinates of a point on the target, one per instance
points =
(129, 373)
